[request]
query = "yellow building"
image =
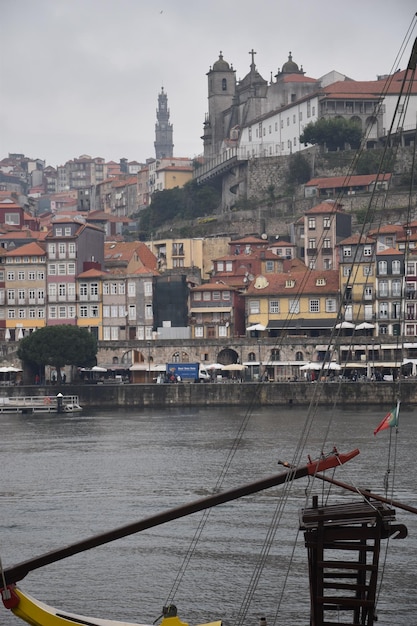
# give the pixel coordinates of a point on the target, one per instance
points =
(300, 302)
(189, 253)
(357, 278)
(24, 294)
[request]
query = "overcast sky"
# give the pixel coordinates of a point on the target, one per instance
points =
(83, 76)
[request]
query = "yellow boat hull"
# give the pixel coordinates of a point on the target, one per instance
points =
(37, 613)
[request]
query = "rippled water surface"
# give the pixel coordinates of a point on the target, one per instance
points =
(65, 478)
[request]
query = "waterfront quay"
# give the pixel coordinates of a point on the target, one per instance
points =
(245, 394)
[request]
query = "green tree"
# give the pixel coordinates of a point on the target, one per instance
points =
(299, 170)
(334, 133)
(58, 346)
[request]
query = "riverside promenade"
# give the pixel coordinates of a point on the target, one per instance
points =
(227, 394)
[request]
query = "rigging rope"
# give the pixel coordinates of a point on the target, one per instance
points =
(370, 218)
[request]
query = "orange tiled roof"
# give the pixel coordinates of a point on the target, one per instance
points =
(305, 282)
(29, 249)
(347, 181)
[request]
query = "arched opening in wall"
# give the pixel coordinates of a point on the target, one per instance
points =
(127, 358)
(299, 356)
(228, 356)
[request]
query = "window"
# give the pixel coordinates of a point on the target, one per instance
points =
(383, 288)
(383, 329)
(197, 296)
(226, 296)
(254, 307)
(229, 266)
(177, 249)
(106, 289)
(62, 290)
(269, 266)
(383, 310)
(20, 275)
(330, 305)
(52, 312)
(327, 243)
(12, 219)
(94, 289)
(367, 251)
(314, 306)
(367, 293)
(83, 310)
(367, 270)
(132, 312)
(94, 310)
(396, 267)
(274, 306)
(206, 296)
(382, 267)
(294, 306)
(199, 331)
(52, 269)
(62, 250)
(275, 355)
(347, 251)
(31, 275)
(71, 269)
(62, 269)
(312, 244)
(10, 275)
(222, 331)
(216, 295)
(148, 311)
(106, 311)
(131, 289)
(224, 84)
(326, 222)
(113, 289)
(396, 288)
(148, 288)
(311, 223)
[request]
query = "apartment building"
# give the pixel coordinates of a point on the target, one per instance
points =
(71, 245)
(22, 291)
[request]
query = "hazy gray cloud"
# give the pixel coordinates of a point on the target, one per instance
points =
(83, 76)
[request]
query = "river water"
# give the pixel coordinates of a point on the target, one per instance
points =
(67, 477)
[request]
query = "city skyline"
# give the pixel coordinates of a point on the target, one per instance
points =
(84, 78)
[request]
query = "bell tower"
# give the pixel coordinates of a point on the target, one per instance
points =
(221, 91)
(163, 129)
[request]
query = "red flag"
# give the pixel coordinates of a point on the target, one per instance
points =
(389, 421)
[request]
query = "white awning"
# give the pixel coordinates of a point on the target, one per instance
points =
(212, 309)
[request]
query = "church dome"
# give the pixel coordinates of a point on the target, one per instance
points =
(221, 65)
(290, 67)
